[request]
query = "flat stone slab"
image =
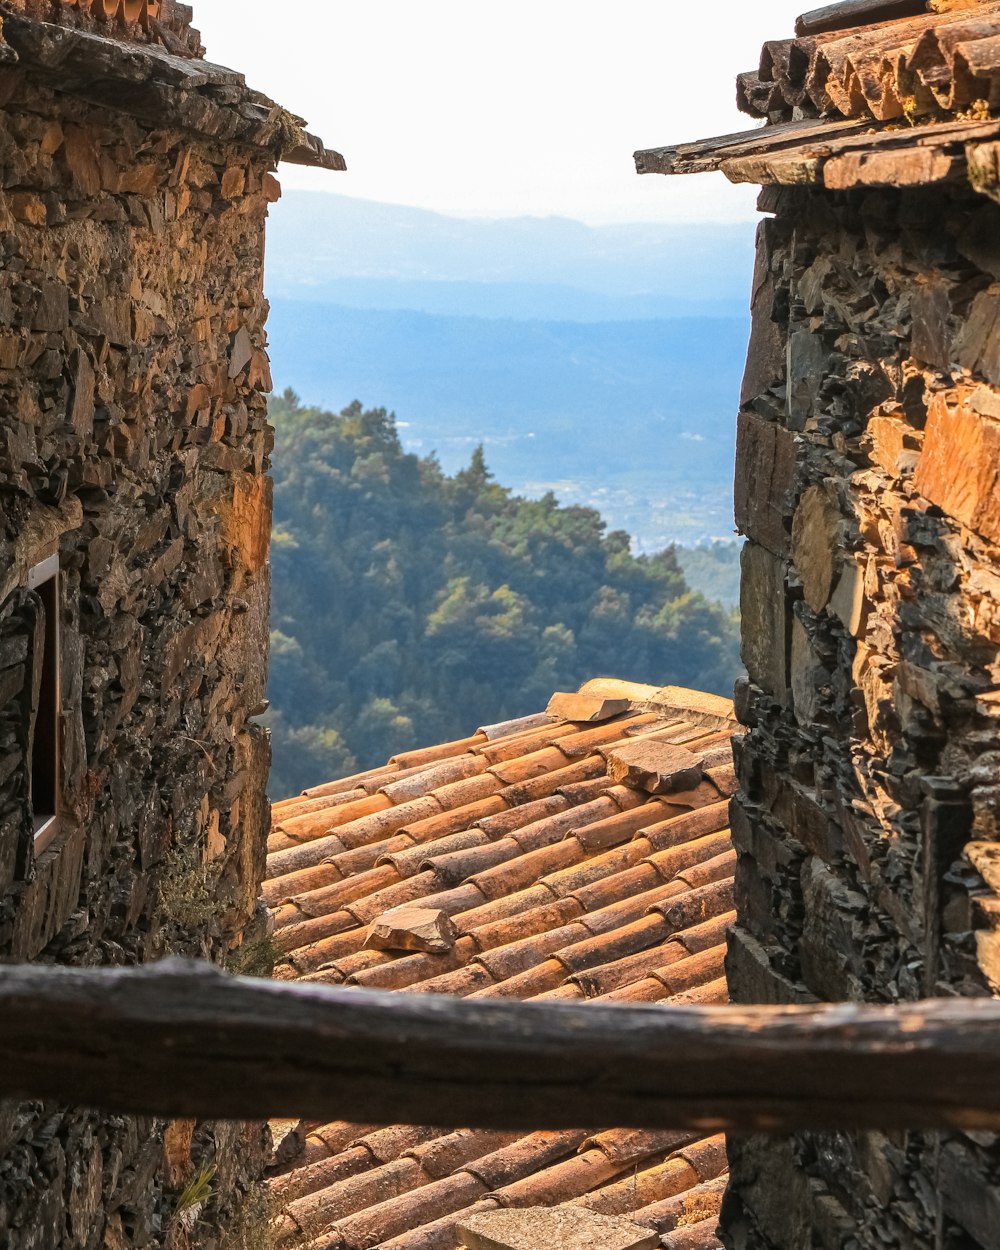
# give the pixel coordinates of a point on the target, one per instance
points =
(412, 929)
(656, 767)
(553, 1228)
(585, 709)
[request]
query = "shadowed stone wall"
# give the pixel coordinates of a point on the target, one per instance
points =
(867, 487)
(134, 446)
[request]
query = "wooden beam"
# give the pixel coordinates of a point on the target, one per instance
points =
(181, 1039)
(857, 153)
(706, 155)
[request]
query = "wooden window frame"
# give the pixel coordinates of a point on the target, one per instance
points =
(44, 756)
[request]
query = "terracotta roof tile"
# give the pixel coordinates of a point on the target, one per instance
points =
(354, 782)
(455, 820)
(460, 865)
(565, 781)
(559, 883)
(357, 1193)
(433, 755)
(527, 868)
(561, 1182)
(701, 1236)
(410, 858)
(461, 983)
(699, 1201)
(496, 910)
(526, 1156)
(694, 906)
(712, 993)
(398, 974)
(641, 1188)
(508, 728)
(708, 1157)
(555, 828)
(518, 816)
(680, 859)
(620, 885)
(553, 914)
(588, 740)
(317, 817)
(601, 835)
(593, 951)
(685, 828)
(496, 752)
(374, 1225)
(517, 957)
(425, 781)
(317, 1176)
(593, 982)
(446, 1154)
(628, 1145)
(332, 933)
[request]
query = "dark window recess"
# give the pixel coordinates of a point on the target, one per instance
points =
(43, 581)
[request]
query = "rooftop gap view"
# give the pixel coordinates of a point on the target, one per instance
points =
(529, 936)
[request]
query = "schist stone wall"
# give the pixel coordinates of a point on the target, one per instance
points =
(868, 486)
(133, 446)
(164, 22)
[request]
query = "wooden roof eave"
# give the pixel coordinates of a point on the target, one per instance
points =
(837, 155)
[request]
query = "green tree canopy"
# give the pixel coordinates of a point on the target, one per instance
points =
(410, 606)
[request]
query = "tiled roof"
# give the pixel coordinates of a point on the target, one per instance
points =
(548, 880)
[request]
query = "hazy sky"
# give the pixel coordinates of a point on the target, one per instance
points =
(525, 106)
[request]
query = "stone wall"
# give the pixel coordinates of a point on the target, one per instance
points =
(134, 444)
(867, 487)
(164, 22)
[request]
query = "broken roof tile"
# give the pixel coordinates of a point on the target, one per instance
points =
(557, 883)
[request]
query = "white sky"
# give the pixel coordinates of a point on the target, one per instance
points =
(520, 107)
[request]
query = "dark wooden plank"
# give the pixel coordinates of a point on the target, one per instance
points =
(850, 13)
(705, 155)
(180, 1039)
(795, 152)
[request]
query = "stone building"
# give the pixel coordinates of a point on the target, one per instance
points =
(553, 858)
(135, 179)
(868, 487)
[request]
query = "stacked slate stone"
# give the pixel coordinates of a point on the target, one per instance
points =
(872, 639)
(868, 487)
(134, 445)
(164, 22)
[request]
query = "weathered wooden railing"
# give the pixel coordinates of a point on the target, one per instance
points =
(179, 1039)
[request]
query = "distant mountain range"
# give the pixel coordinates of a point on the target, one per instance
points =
(359, 253)
(602, 363)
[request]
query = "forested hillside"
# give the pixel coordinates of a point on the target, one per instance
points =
(410, 606)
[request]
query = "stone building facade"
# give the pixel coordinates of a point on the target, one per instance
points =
(135, 179)
(868, 488)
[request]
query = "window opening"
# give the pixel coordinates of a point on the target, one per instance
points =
(44, 785)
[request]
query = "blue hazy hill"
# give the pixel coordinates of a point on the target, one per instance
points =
(317, 240)
(602, 363)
